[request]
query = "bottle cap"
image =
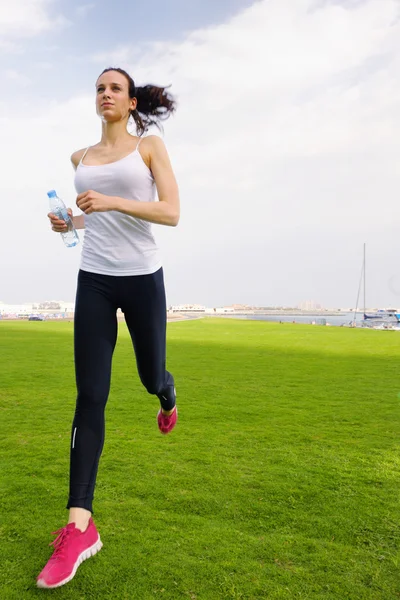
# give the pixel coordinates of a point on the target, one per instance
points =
(52, 194)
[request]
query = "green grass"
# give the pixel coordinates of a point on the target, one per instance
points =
(281, 480)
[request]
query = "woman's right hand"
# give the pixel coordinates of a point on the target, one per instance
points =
(58, 225)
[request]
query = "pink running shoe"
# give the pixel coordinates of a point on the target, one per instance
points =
(167, 423)
(72, 547)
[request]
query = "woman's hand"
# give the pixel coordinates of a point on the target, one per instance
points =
(58, 225)
(91, 201)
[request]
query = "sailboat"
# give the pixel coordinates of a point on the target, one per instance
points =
(380, 319)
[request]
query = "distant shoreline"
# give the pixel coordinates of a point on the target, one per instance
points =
(187, 315)
(287, 313)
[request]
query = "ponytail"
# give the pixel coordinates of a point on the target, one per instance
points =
(154, 104)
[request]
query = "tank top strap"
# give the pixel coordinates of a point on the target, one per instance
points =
(84, 154)
(138, 144)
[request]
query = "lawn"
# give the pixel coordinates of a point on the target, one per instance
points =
(280, 481)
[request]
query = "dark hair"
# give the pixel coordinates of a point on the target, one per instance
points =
(154, 104)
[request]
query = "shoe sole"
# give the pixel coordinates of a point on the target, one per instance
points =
(88, 553)
(167, 432)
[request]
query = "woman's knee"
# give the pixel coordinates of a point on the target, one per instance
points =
(153, 387)
(91, 398)
(158, 385)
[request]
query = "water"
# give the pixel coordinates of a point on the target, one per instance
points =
(317, 319)
(57, 206)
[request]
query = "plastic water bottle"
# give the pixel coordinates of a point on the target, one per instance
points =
(57, 206)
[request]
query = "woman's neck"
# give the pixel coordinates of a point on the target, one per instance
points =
(113, 134)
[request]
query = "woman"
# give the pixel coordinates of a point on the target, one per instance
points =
(120, 268)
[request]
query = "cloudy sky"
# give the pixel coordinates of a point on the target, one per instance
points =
(285, 144)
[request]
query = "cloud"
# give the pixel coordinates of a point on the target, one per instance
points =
(279, 68)
(26, 18)
(84, 9)
(285, 145)
(10, 47)
(121, 54)
(17, 77)
(44, 65)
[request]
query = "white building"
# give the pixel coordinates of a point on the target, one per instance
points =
(188, 308)
(58, 307)
(15, 309)
(309, 305)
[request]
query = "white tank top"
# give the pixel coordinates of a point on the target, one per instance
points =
(115, 243)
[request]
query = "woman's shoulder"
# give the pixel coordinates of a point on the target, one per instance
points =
(76, 156)
(152, 146)
(149, 148)
(152, 142)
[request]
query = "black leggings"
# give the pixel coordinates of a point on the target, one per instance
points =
(142, 300)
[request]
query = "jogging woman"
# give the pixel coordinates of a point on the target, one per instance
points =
(121, 267)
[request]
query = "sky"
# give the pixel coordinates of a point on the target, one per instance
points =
(285, 142)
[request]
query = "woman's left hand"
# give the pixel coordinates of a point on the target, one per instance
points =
(91, 201)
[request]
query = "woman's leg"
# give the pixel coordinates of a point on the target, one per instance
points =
(95, 328)
(145, 310)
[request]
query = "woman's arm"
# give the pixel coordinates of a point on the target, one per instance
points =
(164, 212)
(79, 221)
(167, 210)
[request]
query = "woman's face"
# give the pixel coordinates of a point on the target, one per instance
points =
(112, 97)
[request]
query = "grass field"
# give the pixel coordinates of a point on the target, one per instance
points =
(281, 480)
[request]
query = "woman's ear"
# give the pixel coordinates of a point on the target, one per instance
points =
(133, 103)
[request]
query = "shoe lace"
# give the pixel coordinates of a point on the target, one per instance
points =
(60, 542)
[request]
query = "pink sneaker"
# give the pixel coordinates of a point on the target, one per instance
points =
(72, 547)
(167, 423)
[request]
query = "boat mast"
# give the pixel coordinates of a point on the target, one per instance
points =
(364, 281)
(359, 290)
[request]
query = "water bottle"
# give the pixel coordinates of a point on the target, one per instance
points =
(57, 206)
